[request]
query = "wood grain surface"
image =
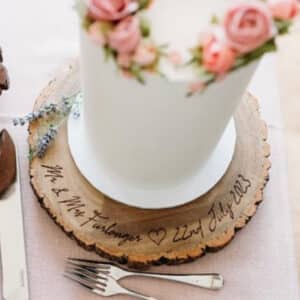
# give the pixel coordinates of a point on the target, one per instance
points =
(141, 238)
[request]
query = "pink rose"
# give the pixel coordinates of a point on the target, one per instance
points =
(248, 26)
(145, 55)
(218, 57)
(96, 35)
(111, 10)
(126, 36)
(284, 9)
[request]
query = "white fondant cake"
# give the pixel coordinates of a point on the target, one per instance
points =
(153, 136)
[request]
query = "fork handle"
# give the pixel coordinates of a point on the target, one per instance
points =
(207, 281)
(136, 295)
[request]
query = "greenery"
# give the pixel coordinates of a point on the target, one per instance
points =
(214, 20)
(136, 71)
(246, 59)
(145, 28)
(86, 22)
(143, 4)
(109, 53)
(208, 77)
(283, 26)
(49, 118)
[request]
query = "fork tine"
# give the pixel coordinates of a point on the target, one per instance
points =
(91, 273)
(90, 263)
(104, 271)
(88, 274)
(84, 283)
(99, 284)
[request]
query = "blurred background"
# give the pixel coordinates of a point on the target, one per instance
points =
(289, 68)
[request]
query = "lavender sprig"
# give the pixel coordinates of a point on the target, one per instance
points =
(63, 108)
(50, 117)
(45, 141)
(47, 110)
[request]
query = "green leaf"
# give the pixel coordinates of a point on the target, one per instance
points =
(108, 53)
(248, 58)
(136, 71)
(214, 20)
(205, 75)
(192, 61)
(145, 28)
(270, 46)
(144, 4)
(198, 54)
(209, 78)
(86, 22)
(238, 62)
(283, 26)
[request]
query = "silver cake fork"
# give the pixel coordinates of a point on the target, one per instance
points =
(208, 281)
(100, 285)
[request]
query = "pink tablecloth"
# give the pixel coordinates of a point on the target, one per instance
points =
(37, 37)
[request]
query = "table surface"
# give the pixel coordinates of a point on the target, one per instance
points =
(37, 38)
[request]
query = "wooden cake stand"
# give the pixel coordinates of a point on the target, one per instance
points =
(139, 237)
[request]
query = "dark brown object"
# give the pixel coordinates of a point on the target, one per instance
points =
(141, 238)
(7, 161)
(4, 80)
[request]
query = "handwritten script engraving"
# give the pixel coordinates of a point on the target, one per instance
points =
(157, 236)
(53, 172)
(57, 192)
(74, 205)
(110, 228)
(185, 232)
(96, 216)
(220, 212)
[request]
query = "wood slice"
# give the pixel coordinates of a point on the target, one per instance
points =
(139, 237)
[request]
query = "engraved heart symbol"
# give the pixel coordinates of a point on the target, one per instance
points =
(157, 236)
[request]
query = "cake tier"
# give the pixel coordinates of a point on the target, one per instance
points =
(152, 135)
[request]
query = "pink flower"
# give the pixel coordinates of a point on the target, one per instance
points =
(96, 35)
(126, 36)
(248, 25)
(195, 87)
(124, 60)
(145, 55)
(111, 10)
(218, 57)
(284, 9)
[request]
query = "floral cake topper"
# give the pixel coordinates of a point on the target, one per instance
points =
(243, 34)
(124, 35)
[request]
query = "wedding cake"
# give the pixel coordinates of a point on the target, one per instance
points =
(161, 80)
